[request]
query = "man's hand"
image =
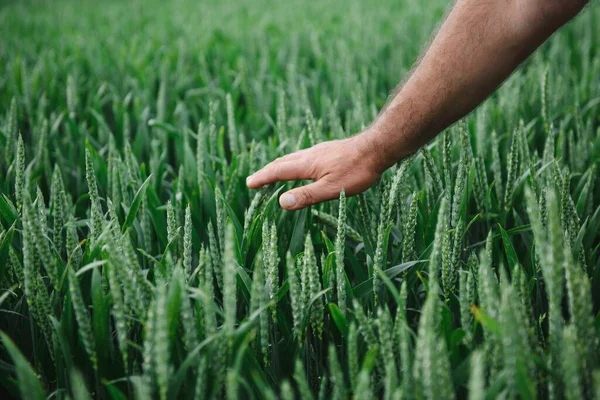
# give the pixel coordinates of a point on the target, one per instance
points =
(350, 164)
(478, 46)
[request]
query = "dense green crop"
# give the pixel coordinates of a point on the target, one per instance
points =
(135, 263)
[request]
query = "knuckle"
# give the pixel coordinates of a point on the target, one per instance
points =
(276, 171)
(312, 169)
(306, 197)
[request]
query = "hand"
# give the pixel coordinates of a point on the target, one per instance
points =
(349, 164)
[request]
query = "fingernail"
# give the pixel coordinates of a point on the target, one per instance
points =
(249, 179)
(287, 200)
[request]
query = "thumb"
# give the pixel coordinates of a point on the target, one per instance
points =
(308, 195)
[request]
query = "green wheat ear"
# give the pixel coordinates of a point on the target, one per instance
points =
(258, 299)
(386, 341)
(496, 166)
(148, 351)
(210, 321)
(95, 207)
(35, 292)
(58, 205)
(82, 316)
(37, 226)
(477, 376)
(313, 288)
(340, 273)
(287, 393)
(365, 327)
(20, 173)
(353, 356)
(187, 243)
(272, 276)
(512, 169)
(231, 128)
(460, 180)
(11, 131)
(337, 375)
(301, 381)
(229, 283)
(296, 296)
(409, 231)
(187, 315)
(363, 389)
(571, 365)
(172, 228)
(465, 301)
(118, 312)
(201, 379)
(161, 356)
(515, 346)
(282, 131)
(432, 169)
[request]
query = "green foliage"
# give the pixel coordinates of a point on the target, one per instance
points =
(134, 262)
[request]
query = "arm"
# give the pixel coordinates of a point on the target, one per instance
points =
(478, 46)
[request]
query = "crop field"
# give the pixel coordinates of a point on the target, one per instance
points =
(135, 263)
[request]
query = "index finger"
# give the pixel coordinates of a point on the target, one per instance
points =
(295, 169)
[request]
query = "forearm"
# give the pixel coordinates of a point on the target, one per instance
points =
(478, 46)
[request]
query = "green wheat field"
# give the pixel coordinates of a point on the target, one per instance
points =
(135, 263)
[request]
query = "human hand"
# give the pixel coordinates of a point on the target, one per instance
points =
(350, 164)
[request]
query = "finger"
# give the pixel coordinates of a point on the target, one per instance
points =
(308, 195)
(291, 157)
(278, 171)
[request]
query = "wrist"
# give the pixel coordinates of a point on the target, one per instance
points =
(377, 150)
(399, 131)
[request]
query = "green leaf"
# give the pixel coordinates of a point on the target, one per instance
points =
(366, 287)
(390, 286)
(283, 289)
(135, 205)
(160, 225)
(100, 320)
(525, 387)
(29, 384)
(370, 359)
(100, 119)
(190, 359)
(168, 128)
(63, 343)
(328, 243)
(326, 268)
(78, 387)
(471, 222)
(161, 266)
(272, 203)
(511, 254)
(90, 266)
(396, 270)
(312, 300)
(174, 303)
(7, 210)
(5, 243)
(339, 319)
(246, 282)
(485, 320)
(297, 240)
(239, 229)
(114, 393)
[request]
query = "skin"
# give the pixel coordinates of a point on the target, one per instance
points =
(480, 43)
